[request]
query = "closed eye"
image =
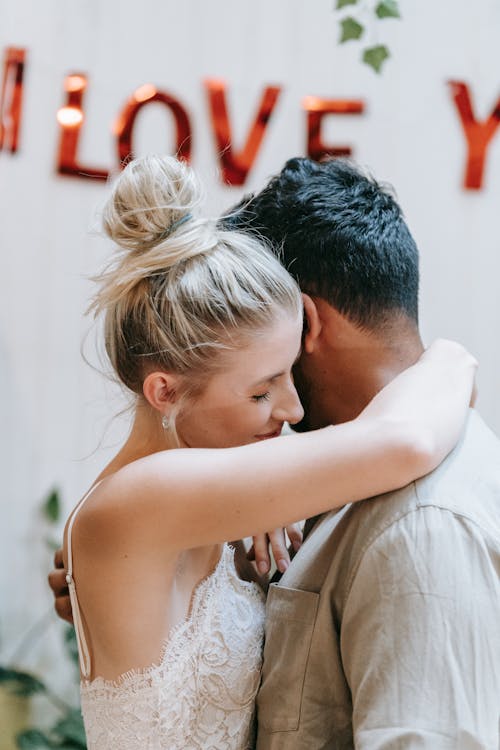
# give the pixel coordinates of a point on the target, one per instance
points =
(261, 397)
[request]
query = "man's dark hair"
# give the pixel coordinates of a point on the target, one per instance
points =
(341, 234)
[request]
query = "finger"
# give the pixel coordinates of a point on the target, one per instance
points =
(62, 606)
(261, 548)
(58, 559)
(294, 533)
(280, 552)
(57, 582)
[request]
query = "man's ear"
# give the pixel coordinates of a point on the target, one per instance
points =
(160, 390)
(312, 328)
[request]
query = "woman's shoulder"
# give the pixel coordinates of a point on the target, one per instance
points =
(117, 508)
(91, 517)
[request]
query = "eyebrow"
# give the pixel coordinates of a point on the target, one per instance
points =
(270, 378)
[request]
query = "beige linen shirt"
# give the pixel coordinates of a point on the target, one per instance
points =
(384, 633)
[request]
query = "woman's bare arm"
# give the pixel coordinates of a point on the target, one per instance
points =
(193, 497)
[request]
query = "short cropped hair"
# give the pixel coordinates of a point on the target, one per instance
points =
(341, 234)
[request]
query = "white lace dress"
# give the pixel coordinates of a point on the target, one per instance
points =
(200, 696)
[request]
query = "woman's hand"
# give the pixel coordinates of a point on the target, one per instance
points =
(277, 540)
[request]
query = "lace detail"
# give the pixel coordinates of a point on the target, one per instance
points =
(200, 695)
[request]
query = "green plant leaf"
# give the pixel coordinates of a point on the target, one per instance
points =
(70, 728)
(33, 739)
(343, 3)
(351, 29)
(376, 56)
(21, 683)
(388, 9)
(52, 507)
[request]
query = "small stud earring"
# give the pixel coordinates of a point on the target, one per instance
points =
(165, 422)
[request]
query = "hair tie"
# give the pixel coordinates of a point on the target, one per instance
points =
(173, 227)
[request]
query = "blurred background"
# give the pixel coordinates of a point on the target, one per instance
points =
(238, 87)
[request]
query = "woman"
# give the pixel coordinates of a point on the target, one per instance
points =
(204, 326)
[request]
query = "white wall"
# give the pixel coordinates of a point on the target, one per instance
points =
(54, 409)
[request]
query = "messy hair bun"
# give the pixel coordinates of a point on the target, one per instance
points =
(180, 290)
(151, 214)
(152, 195)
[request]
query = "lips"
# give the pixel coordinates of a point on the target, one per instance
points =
(269, 435)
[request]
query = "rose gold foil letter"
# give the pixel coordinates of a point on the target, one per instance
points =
(317, 109)
(70, 118)
(124, 125)
(11, 98)
(236, 165)
(477, 134)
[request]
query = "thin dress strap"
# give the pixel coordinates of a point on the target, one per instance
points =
(83, 650)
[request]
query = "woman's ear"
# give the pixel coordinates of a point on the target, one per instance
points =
(312, 327)
(160, 391)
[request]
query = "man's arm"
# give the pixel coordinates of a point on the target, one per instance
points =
(421, 639)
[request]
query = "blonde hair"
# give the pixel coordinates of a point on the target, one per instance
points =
(180, 290)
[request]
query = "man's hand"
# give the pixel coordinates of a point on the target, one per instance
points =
(259, 551)
(57, 582)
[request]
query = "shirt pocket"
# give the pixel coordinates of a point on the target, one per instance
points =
(290, 619)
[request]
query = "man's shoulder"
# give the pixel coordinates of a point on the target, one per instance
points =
(467, 483)
(464, 489)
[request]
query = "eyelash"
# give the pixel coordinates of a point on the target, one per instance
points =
(261, 397)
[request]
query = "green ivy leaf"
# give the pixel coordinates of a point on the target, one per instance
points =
(21, 683)
(33, 739)
(376, 56)
(343, 3)
(70, 729)
(351, 29)
(52, 507)
(387, 9)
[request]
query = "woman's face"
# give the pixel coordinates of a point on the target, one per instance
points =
(252, 397)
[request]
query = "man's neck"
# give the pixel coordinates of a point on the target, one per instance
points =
(359, 375)
(353, 366)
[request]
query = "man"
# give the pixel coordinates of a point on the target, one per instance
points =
(383, 633)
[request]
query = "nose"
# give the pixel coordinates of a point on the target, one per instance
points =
(289, 409)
